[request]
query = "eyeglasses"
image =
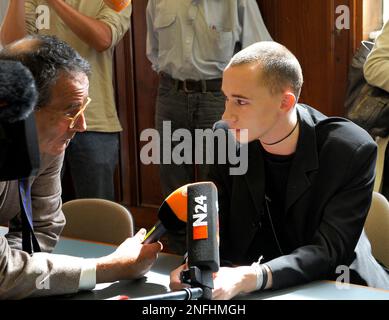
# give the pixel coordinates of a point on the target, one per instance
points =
(74, 119)
(68, 116)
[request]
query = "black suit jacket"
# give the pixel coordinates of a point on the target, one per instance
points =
(329, 192)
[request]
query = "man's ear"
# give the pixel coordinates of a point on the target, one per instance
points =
(288, 101)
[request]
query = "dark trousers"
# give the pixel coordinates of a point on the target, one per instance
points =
(194, 110)
(91, 158)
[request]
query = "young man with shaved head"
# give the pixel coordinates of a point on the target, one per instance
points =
(298, 213)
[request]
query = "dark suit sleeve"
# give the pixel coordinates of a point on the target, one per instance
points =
(343, 218)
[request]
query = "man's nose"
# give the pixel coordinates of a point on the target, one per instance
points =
(228, 116)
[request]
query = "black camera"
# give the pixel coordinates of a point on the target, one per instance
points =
(19, 149)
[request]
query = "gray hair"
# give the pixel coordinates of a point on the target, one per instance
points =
(46, 57)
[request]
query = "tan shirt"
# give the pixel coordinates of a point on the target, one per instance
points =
(376, 68)
(101, 114)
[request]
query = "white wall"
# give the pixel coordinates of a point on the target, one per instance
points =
(3, 9)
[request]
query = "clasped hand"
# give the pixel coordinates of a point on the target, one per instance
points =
(228, 282)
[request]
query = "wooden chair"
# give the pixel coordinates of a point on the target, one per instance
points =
(97, 220)
(377, 228)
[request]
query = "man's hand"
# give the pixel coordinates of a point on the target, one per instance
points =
(228, 282)
(175, 280)
(131, 260)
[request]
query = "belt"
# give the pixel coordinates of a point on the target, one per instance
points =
(191, 86)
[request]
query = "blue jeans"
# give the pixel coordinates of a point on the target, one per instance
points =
(91, 158)
(199, 110)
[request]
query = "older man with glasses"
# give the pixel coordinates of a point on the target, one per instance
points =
(93, 29)
(62, 81)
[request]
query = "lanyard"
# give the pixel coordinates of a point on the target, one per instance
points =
(29, 241)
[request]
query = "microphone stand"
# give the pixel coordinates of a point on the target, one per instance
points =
(185, 294)
(203, 251)
(200, 280)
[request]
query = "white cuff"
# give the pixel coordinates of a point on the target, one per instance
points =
(88, 275)
(261, 273)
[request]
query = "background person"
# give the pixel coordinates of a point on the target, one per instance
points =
(93, 29)
(189, 43)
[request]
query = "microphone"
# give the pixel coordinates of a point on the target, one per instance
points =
(202, 237)
(221, 124)
(197, 204)
(117, 5)
(18, 94)
(19, 152)
(172, 215)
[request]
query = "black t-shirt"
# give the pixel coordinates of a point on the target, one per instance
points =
(269, 240)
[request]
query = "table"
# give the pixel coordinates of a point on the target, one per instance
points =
(157, 280)
(3, 230)
(323, 290)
